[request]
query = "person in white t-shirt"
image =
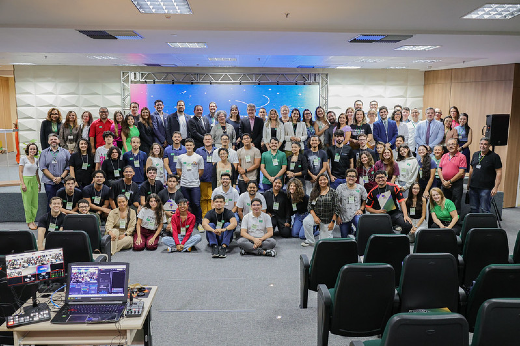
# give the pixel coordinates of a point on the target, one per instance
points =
(229, 193)
(257, 232)
(244, 201)
(101, 152)
(150, 221)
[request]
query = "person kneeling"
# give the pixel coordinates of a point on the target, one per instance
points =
(149, 224)
(220, 223)
(257, 232)
(183, 223)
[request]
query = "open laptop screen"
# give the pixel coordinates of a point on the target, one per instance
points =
(93, 281)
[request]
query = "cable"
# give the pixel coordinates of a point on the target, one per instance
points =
(52, 295)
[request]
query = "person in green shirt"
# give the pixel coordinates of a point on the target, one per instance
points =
(128, 131)
(273, 164)
(443, 211)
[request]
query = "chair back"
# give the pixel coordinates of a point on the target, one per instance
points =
(412, 329)
(429, 281)
(327, 259)
(16, 242)
(483, 246)
(494, 281)
(372, 224)
(516, 250)
(477, 220)
(436, 240)
(363, 299)
(497, 323)
(84, 222)
(388, 248)
(75, 244)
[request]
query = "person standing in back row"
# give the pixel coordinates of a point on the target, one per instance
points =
(252, 125)
(98, 127)
(198, 126)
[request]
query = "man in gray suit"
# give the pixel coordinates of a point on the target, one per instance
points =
(429, 132)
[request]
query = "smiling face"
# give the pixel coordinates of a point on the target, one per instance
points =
(307, 116)
(295, 149)
(159, 106)
(364, 159)
(33, 150)
(295, 116)
(387, 154)
(180, 107)
(430, 113)
(122, 203)
(463, 120)
(320, 113)
(359, 116)
(292, 187)
(252, 189)
(208, 141)
(212, 107)
(273, 115)
(262, 113)
(404, 151)
(416, 188)
(134, 109)
(323, 181)
(130, 121)
(383, 113)
(198, 111)
(221, 118)
(421, 151)
(436, 197)
(342, 120)
(85, 117)
(119, 117)
(153, 203)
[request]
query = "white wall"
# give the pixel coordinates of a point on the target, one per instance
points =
(80, 88)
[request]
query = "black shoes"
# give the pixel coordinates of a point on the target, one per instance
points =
(214, 251)
(222, 252)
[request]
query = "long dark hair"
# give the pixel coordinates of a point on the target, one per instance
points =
(390, 164)
(299, 193)
(159, 210)
(316, 189)
(409, 199)
(426, 164)
(125, 128)
(466, 126)
(146, 122)
(89, 147)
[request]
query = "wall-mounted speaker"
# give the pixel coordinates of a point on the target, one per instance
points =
(497, 128)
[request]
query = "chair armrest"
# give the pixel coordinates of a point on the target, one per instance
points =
(100, 257)
(304, 280)
(510, 260)
(397, 303)
(357, 343)
(324, 314)
(459, 244)
(106, 246)
(460, 261)
(463, 301)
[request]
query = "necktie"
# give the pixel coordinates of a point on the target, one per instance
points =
(428, 133)
(385, 122)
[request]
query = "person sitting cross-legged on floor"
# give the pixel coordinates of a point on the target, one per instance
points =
(121, 225)
(150, 221)
(257, 232)
(220, 223)
(183, 222)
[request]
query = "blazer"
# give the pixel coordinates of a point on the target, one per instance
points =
(266, 134)
(301, 132)
(159, 127)
(197, 129)
(45, 131)
(146, 136)
(381, 135)
(113, 222)
(216, 133)
(436, 133)
(256, 134)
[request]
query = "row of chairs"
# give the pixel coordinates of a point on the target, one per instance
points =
(364, 297)
(497, 324)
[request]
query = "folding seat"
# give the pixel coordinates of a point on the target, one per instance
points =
(372, 224)
(89, 224)
(388, 248)
(497, 323)
(16, 242)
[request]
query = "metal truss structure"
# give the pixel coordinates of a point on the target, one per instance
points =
(128, 78)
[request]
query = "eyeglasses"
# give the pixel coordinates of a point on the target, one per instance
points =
(55, 114)
(380, 178)
(351, 176)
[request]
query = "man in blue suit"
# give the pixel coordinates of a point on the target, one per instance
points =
(159, 120)
(385, 130)
(429, 132)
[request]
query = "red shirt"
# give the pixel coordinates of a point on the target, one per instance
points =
(177, 224)
(450, 165)
(96, 130)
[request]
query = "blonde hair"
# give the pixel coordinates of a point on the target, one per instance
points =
(443, 199)
(49, 114)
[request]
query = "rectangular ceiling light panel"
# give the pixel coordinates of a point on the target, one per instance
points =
(163, 6)
(125, 34)
(495, 11)
(222, 59)
(188, 44)
(417, 47)
(379, 38)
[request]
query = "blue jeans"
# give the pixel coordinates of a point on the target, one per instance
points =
(51, 190)
(194, 240)
(480, 200)
(192, 194)
(337, 183)
(222, 239)
(297, 227)
(346, 227)
(265, 187)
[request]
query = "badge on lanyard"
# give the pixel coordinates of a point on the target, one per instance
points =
(248, 158)
(127, 194)
(52, 227)
(70, 138)
(219, 224)
(365, 179)
(183, 230)
(316, 161)
(122, 224)
(136, 163)
(116, 173)
(420, 174)
(97, 199)
(275, 162)
(412, 211)
(337, 157)
(209, 159)
(294, 208)
(291, 167)
(84, 166)
(276, 205)
(69, 206)
(478, 166)
(350, 199)
(188, 166)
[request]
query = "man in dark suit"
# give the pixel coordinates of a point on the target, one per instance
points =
(177, 121)
(159, 120)
(253, 125)
(385, 130)
(198, 126)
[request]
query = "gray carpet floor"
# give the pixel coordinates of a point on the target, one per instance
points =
(239, 300)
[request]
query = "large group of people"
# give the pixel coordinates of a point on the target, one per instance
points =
(296, 174)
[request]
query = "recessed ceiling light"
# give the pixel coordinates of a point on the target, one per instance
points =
(101, 57)
(397, 67)
(188, 44)
(222, 59)
(420, 61)
(495, 11)
(22, 63)
(125, 34)
(417, 47)
(163, 6)
(370, 61)
(349, 67)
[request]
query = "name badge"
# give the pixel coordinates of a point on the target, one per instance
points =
(122, 224)
(316, 161)
(460, 137)
(54, 161)
(275, 162)
(248, 158)
(420, 174)
(337, 157)
(127, 194)
(478, 166)
(254, 226)
(137, 164)
(209, 159)
(219, 224)
(183, 230)
(170, 205)
(116, 173)
(412, 211)
(70, 138)
(188, 166)
(52, 227)
(365, 179)
(68, 206)
(294, 208)
(97, 199)
(84, 166)
(291, 166)
(276, 205)
(350, 199)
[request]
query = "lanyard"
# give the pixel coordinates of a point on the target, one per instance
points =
(480, 157)
(67, 196)
(86, 155)
(126, 187)
(112, 162)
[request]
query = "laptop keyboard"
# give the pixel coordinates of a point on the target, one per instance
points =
(95, 308)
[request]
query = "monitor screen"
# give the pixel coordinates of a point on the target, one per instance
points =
(96, 281)
(34, 266)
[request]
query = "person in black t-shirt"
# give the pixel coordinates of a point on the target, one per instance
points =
(82, 164)
(340, 160)
(278, 208)
(170, 196)
(98, 194)
(150, 185)
(317, 162)
(485, 175)
(50, 222)
(112, 165)
(126, 187)
(356, 153)
(69, 196)
(220, 223)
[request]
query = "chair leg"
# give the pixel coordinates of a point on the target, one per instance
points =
(304, 281)
(323, 316)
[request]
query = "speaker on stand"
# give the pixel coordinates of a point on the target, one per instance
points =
(497, 129)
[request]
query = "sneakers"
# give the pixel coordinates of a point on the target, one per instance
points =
(242, 252)
(222, 252)
(214, 251)
(200, 228)
(411, 237)
(171, 249)
(305, 243)
(270, 253)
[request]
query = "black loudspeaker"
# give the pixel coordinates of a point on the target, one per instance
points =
(497, 128)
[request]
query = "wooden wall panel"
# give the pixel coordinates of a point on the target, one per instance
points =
(437, 96)
(437, 77)
(483, 73)
(512, 156)
(7, 117)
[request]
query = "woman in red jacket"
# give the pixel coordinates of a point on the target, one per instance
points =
(183, 222)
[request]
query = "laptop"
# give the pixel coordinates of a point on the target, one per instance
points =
(97, 292)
